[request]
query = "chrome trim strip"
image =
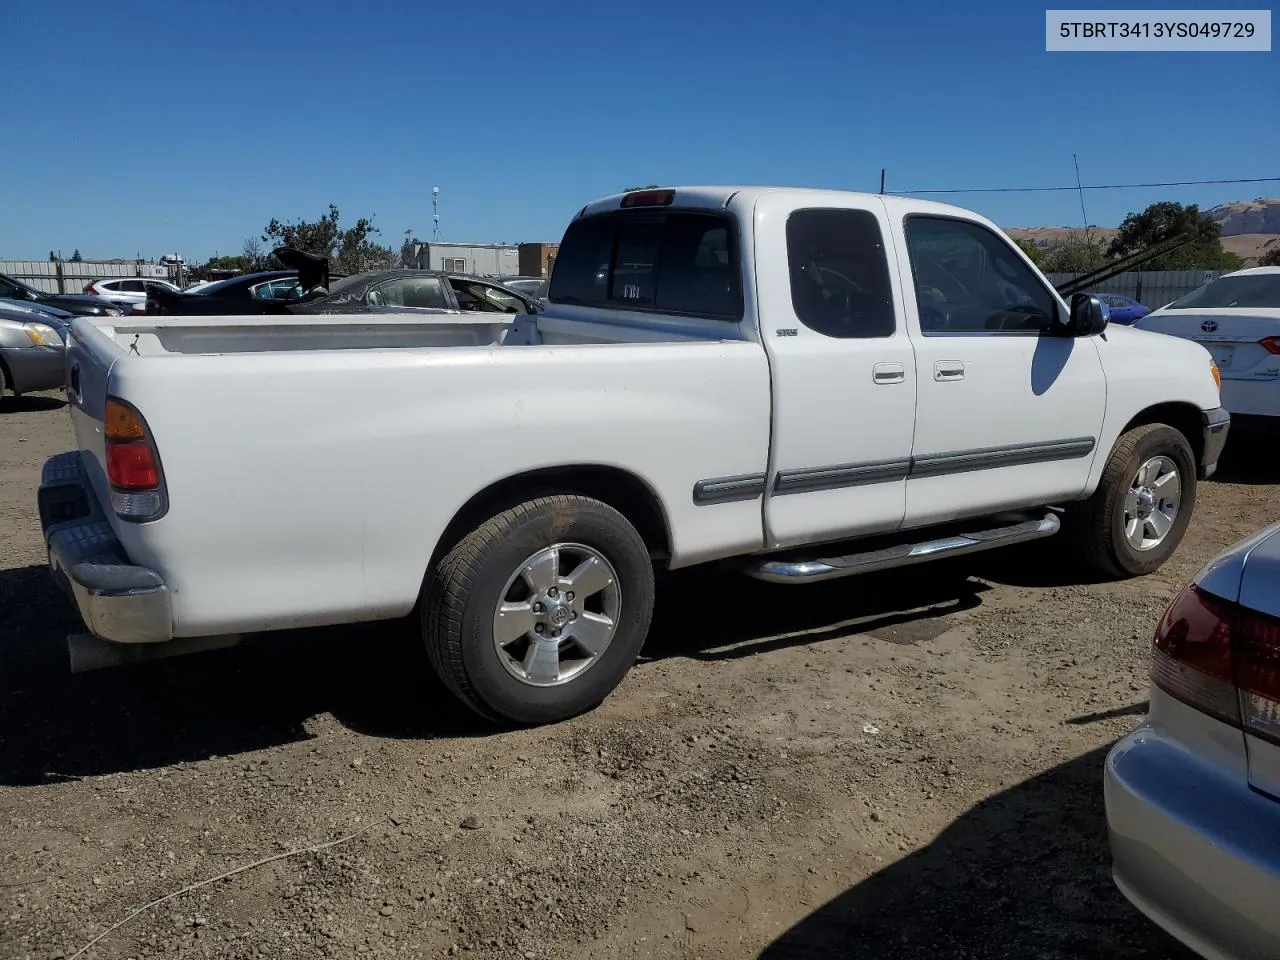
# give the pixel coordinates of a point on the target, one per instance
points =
(830, 568)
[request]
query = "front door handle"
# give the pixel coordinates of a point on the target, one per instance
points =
(948, 370)
(888, 373)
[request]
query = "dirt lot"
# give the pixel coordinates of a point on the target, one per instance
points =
(899, 766)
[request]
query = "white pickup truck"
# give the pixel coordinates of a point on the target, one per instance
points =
(806, 384)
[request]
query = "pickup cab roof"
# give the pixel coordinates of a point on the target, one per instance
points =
(723, 197)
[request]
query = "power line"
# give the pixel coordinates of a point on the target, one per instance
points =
(1095, 186)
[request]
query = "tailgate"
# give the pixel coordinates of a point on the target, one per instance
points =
(91, 353)
(1235, 338)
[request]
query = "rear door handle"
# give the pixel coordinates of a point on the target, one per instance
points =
(948, 370)
(888, 373)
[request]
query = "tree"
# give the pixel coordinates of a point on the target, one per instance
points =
(254, 255)
(1165, 220)
(1034, 253)
(239, 264)
(76, 258)
(350, 250)
(1074, 256)
(408, 254)
(53, 257)
(1270, 259)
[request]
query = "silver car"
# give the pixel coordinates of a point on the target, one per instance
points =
(31, 351)
(1193, 795)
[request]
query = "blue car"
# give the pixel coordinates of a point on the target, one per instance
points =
(1123, 309)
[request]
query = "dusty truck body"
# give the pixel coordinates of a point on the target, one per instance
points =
(806, 384)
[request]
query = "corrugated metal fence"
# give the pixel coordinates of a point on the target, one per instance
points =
(1154, 288)
(67, 276)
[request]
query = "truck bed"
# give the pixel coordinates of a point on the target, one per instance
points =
(312, 466)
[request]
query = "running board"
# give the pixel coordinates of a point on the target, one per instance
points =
(829, 568)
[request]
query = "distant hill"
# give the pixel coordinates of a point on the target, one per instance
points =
(1248, 217)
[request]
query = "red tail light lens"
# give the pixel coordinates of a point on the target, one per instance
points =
(1222, 659)
(648, 198)
(1270, 344)
(1192, 656)
(132, 466)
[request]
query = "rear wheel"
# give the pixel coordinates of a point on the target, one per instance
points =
(1136, 518)
(4, 385)
(539, 612)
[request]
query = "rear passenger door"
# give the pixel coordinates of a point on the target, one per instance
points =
(410, 295)
(844, 383)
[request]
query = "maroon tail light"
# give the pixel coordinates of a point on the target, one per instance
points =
(1191, 660)
(1221, 659)
(1270, 344)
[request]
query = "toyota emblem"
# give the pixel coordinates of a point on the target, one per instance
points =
(1208, 326)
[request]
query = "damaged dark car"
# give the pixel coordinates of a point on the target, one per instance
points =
(307, 287)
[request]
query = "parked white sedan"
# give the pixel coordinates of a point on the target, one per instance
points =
(1193, 795)
(127, 290)
(1237, 319)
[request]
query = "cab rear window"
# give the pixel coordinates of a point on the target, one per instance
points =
(672, 262)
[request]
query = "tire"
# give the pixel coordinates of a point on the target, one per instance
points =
(1106, 526)
(506, 561)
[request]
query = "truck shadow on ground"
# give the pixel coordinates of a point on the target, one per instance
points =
(374, 679)
(1025, 873)
(1248, 461)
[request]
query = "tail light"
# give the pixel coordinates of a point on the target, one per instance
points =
(133, 466)
(1270, 344)
(88, 288)
(1221, 659)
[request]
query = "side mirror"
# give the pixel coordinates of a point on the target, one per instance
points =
(1089, 315)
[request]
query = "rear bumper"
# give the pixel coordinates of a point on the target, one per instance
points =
(1216, 424)
(35, 368)
(1259, 398)
(1194, 849)
(118, 600)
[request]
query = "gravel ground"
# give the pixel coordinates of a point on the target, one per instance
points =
(904, 765)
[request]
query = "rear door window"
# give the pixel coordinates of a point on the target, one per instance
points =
(840, 283)
(674, 262)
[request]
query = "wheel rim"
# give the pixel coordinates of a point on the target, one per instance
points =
(1151, 505)
(557, 614)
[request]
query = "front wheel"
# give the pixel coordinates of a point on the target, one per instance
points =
(538, 613)
(1136, 518)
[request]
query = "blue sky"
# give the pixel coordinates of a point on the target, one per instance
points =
(151, 127)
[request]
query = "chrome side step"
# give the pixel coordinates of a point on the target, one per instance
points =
(829, 568)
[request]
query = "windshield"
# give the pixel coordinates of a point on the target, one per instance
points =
(1246, 290)
(339, 285)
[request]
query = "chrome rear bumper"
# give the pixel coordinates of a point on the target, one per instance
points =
(118, 600)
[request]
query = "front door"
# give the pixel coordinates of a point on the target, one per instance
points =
(844, 379)
(1008, 409)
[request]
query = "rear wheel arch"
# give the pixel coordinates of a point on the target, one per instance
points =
(621, 489)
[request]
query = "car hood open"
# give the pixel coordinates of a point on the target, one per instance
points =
(313, 269)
